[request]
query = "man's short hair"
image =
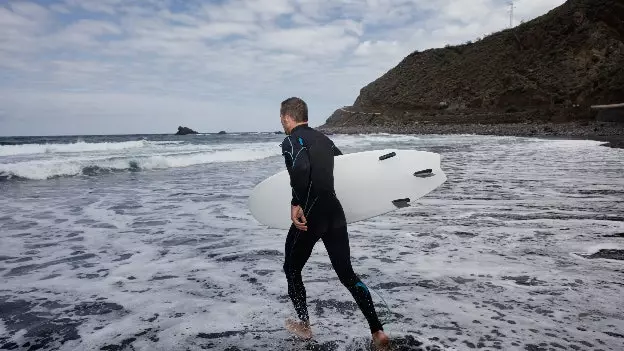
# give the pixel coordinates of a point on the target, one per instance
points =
(296, 108)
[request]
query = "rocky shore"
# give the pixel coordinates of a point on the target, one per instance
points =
(611, 133)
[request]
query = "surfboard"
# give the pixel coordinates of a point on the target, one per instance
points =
(368, 184)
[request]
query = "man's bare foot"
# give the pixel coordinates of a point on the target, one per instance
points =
(381, 340)
(299, 328)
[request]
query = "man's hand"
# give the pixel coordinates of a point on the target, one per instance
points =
(296, 215)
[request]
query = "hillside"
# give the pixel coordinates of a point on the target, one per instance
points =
(549, 69)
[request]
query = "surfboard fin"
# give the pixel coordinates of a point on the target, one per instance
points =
(425, 173)
(400, 203)
(386, 156)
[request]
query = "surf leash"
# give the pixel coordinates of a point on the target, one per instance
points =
(390, 313)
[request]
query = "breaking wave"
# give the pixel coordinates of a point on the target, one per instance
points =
(51, 160)
(57, 160)
(77, 147)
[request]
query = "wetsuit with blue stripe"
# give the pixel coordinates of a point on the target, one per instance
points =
(309, 157)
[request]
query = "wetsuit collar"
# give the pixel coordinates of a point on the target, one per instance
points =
(305, 125)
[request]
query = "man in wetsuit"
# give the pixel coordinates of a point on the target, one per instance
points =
(317, 214)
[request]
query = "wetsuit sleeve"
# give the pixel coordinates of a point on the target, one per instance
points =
(298, 166)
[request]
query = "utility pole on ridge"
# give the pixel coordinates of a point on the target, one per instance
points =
(511, 9)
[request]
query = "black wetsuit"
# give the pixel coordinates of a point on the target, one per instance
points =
(309, 157)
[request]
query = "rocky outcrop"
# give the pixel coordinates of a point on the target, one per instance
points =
(610, 254)
(185, 131)
(550, 69)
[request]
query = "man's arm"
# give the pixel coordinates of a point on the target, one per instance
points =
(298, 166)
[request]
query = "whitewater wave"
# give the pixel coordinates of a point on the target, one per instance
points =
(78, 147)
(160, 157)
(379, 139)
(44, 161)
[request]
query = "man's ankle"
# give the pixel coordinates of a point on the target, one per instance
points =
(380, 336)
(301, 322)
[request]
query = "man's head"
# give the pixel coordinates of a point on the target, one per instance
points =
(293, 112)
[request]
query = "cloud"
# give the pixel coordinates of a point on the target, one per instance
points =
(21, 20)
(95, 6)
(29, 10)
(83, 34)
(248, 10)
(324, 41)
(113, 66)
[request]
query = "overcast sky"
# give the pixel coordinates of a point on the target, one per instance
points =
(147, 66)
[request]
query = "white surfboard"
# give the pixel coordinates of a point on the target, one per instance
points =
(368, 184)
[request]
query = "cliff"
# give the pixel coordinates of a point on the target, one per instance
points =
(550, 69)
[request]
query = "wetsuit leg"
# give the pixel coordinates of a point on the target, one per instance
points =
(337, 244)
(299, 245)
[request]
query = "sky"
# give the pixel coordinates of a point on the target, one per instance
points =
(75, 67)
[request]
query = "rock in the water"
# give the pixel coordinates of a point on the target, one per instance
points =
(608, 254)
(222, 132)
(185, 131)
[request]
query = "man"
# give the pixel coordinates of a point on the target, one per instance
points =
(316, 214)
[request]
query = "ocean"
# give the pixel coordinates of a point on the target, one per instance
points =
(145, 242)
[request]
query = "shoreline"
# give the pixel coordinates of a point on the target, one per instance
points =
(611, 134)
